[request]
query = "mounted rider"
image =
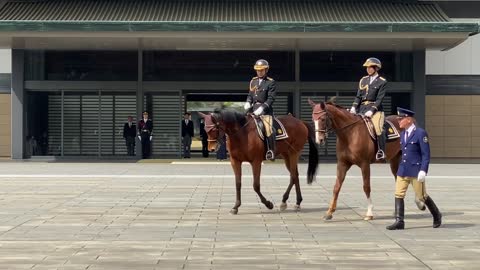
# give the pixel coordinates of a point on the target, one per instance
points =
(260, 100)
(370, 94)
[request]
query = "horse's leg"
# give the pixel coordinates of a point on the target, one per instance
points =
(366, 188)
(394, 163)
(283, 205)
(257, 168)
(342, 169)
(237, 169)
(296, 181)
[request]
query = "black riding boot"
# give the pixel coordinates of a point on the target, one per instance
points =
(270, 155)
(381, 146)
(437, 216)
(399, 214)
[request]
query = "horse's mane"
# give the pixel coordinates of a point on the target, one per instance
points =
(231, 117)
(334, 104)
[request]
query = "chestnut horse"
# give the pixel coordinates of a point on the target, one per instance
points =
(354, 147)
(244, 144)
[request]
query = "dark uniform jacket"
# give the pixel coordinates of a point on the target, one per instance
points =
(263, 93)
(415, 153)
(129, 131)
(187, 130)
(370, 95)
(145, 128)
(203, 133)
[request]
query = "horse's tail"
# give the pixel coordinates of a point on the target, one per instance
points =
(312, 154)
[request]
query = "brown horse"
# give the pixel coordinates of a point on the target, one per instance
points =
(354, 147)
(244, 144)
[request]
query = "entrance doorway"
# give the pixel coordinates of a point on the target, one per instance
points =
(77, 123)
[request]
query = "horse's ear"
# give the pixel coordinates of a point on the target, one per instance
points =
(333, 99)
(322, 105)
(311, 103)
(202, 115)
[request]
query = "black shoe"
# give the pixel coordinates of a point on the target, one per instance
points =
(381, 146)
(399, 224)
(437, 216)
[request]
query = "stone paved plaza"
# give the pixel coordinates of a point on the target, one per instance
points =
(176, 216)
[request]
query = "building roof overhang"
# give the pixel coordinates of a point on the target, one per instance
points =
(420, 22)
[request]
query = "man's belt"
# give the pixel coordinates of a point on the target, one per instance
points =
(367, 102)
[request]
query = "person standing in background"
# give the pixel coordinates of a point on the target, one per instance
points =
(187, 134)
(129, 133)
(204, 137)
(145, 134)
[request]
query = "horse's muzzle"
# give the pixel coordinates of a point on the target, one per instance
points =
(212, 146)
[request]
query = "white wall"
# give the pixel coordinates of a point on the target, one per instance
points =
(5, 61)
(464, 59)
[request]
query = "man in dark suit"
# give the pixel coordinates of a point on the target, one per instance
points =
(145, 134)
(413, 169)
(187, 134)
(129, 133)
(204, 137)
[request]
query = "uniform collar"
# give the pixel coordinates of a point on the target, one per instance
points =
(373, 78)
(410, 129)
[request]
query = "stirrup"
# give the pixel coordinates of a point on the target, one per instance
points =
(380, 155)
(270, 155)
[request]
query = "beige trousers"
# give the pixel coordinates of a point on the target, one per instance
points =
(401, 186)
(378, 119)
(268, 122)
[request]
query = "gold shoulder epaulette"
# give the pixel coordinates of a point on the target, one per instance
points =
(270, 79)
(254, 78)
(381, 78)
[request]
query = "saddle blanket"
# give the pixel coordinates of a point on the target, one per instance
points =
(280, 131)
(392, 132)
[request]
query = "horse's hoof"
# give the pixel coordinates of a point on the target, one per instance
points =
(283, 206)
(297, 207)
(269, 205)
(328, 217)
(367, 218)
(234, 211)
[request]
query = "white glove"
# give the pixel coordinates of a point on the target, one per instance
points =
(258, 111)
(369, 114)
(353, 110)
(247, 106)
(421, 176)
(151, 137)
(139, 138)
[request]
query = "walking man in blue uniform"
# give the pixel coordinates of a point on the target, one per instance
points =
(413, 169)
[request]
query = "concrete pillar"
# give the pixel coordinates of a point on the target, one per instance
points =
(419, 87)
(18, 96)
(138, 145)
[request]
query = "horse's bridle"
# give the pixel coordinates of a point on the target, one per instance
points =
(221, 131)
(328, 120)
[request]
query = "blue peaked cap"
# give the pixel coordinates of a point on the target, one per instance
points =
(404, 112)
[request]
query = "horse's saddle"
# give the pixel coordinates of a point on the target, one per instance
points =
(389, 127)
(261, 122)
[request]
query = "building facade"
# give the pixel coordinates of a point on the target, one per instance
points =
(79, 68)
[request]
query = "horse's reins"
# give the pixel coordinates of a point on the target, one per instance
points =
(330, 129)
(217, 126)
